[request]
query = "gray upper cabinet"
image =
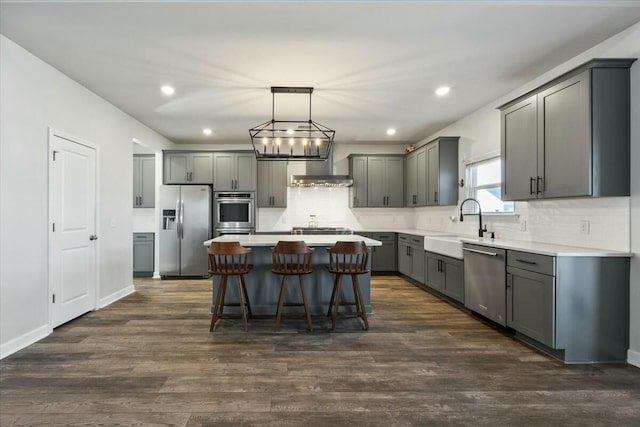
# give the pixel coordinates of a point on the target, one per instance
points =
(144, 181)
(358, 191)
(442, 171)
(234, 171)
(188, 167)
(570, 137)
(432, 174)
(519, 150)
(272, 184)
(385, 181)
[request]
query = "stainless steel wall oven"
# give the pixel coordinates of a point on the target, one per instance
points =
(234, 212)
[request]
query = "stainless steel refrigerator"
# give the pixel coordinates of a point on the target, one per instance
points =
(185, 225)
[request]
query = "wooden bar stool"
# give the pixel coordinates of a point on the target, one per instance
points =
(292, 259)
(229, 259)
(348, 258)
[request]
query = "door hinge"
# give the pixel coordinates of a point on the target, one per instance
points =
(54, 155)
(54, 298)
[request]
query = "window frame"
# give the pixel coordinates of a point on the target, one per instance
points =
(471, 188)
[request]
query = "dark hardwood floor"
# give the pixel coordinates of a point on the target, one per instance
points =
(149, 359)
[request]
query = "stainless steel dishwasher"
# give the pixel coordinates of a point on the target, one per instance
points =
(485, 281)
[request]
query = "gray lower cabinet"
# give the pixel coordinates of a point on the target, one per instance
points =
(576, 307)
(234, 171)
(411, 259)
(358, 191)
(385, 181)
(383, 258)
(188, 167)
(144, 181)
(445, 274)
(272, 184)
(570, 137)
(143, 248)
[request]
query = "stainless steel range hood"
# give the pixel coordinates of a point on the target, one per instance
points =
(319, 174)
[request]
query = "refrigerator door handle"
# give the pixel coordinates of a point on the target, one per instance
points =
(181, 219)
(178, 218)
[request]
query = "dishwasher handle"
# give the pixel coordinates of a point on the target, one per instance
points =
(480, 252)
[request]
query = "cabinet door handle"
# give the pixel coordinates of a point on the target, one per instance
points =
(531, 181)
(509, 280)
(436, 196)
(524, 261)
(190, 176)
(539, 185)
(140, 201)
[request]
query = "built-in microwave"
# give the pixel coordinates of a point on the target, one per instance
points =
(233, 210)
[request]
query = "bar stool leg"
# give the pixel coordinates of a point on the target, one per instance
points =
(246, 295)
(218, 306)
(362, 312)
(241, 298)
(306, 306)
(333, 294)
(280, 301)
(336, 302)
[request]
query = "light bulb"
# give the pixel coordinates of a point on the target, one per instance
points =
(304, 142)
(278, 141)
(318, 142)
(167, 90)
(291, 141)
(443, 90)
(265, 141)
(207, 131)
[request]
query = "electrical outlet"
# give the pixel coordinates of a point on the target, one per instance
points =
(584, 226)
(523, 225)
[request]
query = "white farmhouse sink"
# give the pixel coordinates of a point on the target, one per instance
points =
(444, 245)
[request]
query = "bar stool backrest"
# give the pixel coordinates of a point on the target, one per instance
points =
(348, 258)
(228, 258)
(291, 258)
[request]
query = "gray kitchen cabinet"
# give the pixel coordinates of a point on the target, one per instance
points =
(188, 167)
(445, 274)
(358, 172)
(143, 248)
(272, 184)
(520, 150)
(234, 171)
(144, 181)
(383, 258)
(575, 307)
(385, 181)
(442, 171)
(411, 259)
(416, 178)
(569, 137)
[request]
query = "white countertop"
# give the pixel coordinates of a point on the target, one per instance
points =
(546, 248)
(415, 232)
(254, 240)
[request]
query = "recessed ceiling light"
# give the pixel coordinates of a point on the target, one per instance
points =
(443, 90)
(391, 131)
(168, 90)
(207, 131)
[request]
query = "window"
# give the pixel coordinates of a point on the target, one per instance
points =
(482, 181)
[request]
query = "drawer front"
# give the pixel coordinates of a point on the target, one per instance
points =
(142, 237)
(532, 262)
(404, 238)
(417, 241)
(383, 236)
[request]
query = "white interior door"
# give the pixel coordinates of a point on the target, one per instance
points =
(72, 199)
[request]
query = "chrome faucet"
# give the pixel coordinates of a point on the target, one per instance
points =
(482, 229)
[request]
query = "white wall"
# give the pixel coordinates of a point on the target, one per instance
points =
(34, 97)
(634, 344)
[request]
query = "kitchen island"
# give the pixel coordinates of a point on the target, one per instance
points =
(263, 286)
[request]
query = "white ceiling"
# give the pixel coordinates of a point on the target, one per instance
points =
(374, 65)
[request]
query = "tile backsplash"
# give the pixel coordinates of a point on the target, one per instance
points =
(605, 221)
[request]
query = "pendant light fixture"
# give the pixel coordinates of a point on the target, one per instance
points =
(291, 139)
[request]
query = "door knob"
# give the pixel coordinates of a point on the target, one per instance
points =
(93, 237)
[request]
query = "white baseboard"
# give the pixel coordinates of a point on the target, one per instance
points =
(116, 296)
(633, 358)
(23, 341)
(156, 275)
